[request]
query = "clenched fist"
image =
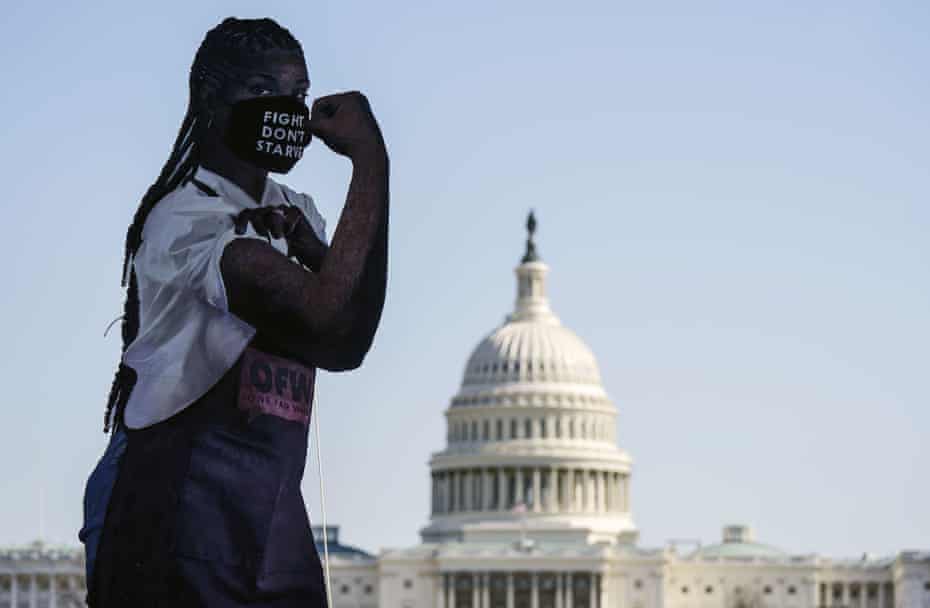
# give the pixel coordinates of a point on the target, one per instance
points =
(346, 125)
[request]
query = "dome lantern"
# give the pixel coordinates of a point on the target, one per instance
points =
(532, 303)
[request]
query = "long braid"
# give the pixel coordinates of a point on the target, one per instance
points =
(222, 50)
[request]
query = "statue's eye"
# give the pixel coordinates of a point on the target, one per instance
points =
(259, 90)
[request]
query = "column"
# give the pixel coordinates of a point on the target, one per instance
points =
(53, 590)
(608, 491)
(440, 590)
(607, 476)
(433, 501)
(566, 476)
(452, 583)
(602, 586)
(510, 590)
(882, 597)
(569, 588)
(440, 493)
(443, 493)
(553, 490)
(844, 597)
(591, 476)
(475, 584)
(518, 491)
(534, 590)
(618, 495)
(462, 490)
(591, 584)
(467, 494)
(501, 490)
(477, 482)
(486, 590)
(573, 495)
(615, 493)
(558, 590)
(602, 491)
(33, 591)
(14, 591)
(595, 492)
(584, 490)
(450, 491)
(444, 505)
(593, 497)
(626, 493)
(537, 498)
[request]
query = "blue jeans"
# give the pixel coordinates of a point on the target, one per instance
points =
(97, 496)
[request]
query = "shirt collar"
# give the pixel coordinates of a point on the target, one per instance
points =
(228, 188)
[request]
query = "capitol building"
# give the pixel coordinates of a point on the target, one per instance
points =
(531, 507)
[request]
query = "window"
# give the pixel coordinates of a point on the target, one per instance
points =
(708, 589)
(474, 430)
(638, 584)
(500, 429)
(558, 427)
(767, 590)
(513, 428)
(684, 589)
(487, 430)
(344, 590)
(542, 428)
(368, 589)
(527, 428)
(408, 583)
(792, 590)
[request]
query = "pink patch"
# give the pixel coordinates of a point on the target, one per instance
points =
(275, 386)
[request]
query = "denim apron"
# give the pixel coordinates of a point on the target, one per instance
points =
(207, 508)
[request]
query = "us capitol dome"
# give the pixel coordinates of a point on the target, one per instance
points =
(530, 441)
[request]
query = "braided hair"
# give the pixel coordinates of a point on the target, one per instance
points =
(223, 51)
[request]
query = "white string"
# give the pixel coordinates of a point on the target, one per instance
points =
(319, 462)
(111, 325)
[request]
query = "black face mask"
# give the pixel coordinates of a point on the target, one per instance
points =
(269, 132)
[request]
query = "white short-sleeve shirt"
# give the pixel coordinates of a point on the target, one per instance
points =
(187, 336)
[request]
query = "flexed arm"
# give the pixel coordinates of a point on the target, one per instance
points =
(326, 318)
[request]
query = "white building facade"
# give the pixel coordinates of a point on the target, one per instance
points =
(531, 508)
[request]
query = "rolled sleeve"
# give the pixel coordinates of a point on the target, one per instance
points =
(183, 251)
(211, 284)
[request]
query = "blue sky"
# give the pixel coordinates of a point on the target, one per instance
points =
(732, 198)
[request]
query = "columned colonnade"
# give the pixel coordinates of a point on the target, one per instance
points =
(40, 589)
(542, 489)
(851, 594)
(521, 590)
